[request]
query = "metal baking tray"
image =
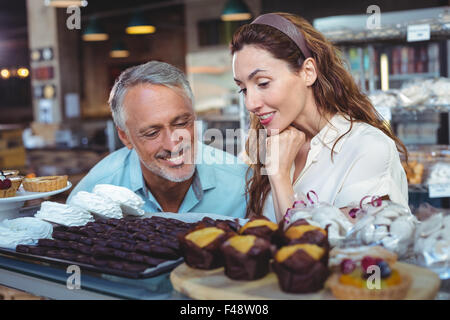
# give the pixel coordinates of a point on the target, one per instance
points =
(164, 267)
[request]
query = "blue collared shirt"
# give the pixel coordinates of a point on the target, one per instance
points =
(218, 186)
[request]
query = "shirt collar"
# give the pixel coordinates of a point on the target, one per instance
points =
(336, 127)
(135, 174)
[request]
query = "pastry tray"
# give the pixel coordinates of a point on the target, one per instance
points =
(164, 267)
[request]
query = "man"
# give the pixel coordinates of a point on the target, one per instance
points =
(162, 161)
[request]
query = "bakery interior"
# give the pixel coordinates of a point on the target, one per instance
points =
(59, 60)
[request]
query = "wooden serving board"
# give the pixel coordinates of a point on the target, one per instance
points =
(214, 285)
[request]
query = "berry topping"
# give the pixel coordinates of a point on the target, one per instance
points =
(367, 261)
(347, 266)
(5, 183)
(385, 270)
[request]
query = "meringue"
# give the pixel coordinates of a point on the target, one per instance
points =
(96, 205)
(63, 214)
(389, 225)
(129, 201)
(25, 231)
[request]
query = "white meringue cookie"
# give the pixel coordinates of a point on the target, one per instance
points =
(381, 220)
(96, 205)
(380, 233)
(390, 214)
(26, 230)
(368, 234)
(63, 214)
(391, 243)
(401, 229)
(129, 201)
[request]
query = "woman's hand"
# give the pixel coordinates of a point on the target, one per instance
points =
(281, 151)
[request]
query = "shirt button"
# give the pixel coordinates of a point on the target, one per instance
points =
(314, 142)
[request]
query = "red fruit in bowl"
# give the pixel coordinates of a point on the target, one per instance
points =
(368, 261)
(347, 266)
(5, 184)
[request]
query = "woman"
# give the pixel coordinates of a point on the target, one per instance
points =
(329, 136)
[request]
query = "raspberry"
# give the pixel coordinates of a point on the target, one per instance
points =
(367, 261)
(347, 266)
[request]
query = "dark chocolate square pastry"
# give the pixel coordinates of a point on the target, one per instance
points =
(246, 257)
(200, 247)
(301, 268)
(260, 227)
(305, 233)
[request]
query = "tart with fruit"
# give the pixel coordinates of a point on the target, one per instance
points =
(9, 183)
(369, 279)
(200, 247)
(45, 183)
(246, 257)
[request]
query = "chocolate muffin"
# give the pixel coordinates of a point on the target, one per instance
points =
(246, 257)
(305, 233)
(260, 227)
(301, 268)
(200, 247)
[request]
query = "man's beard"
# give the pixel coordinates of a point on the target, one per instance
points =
(164, 173)
(161, 172)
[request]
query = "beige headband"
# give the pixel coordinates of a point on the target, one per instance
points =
(288, 28)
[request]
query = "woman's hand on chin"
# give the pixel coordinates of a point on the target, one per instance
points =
(281, 150)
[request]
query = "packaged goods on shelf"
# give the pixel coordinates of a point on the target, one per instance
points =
(417, 92)
(432, 240)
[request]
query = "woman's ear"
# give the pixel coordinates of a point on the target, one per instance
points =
(309, 71)
(124, 138)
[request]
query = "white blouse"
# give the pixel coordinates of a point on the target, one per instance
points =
(365, 163)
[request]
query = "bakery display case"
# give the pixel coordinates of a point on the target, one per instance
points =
(405, 73)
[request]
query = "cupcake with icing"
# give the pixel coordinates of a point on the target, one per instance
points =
(246, 257)
(302, 232)
(301, 268)
(260, 227)
(200, 247)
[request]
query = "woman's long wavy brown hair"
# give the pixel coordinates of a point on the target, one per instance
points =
(335, 91)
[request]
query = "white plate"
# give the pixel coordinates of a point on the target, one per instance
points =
(23, 195)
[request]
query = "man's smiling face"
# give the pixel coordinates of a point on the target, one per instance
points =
(159, 125)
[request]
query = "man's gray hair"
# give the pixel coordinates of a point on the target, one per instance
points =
(153, 72)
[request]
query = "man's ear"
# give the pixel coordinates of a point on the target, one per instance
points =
(124, 138)
(309, 71)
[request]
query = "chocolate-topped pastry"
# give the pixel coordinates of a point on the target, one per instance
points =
(246, 257)
(201, 247)
(260, 227)
(301, 268)
(48, 243)
(305, 233)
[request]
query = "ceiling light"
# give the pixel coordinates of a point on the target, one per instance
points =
(119, 50)
(94, 32)
(139, 25)
(5, 73)
(23, 72)
(235, 10)
(65, 3)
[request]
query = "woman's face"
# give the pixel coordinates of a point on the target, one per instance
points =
(273, 93)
